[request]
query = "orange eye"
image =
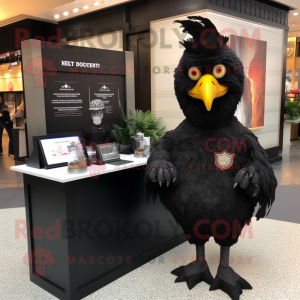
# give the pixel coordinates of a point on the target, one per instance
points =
(194, 73)
(219, 71)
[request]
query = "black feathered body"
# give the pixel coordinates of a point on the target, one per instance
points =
(202, 191)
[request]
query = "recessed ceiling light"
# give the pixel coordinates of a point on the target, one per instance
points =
(75, 9)
(96, 3)
(56, 16)
(86, 7)
(66, 13)
(293, 25)
(295, 14)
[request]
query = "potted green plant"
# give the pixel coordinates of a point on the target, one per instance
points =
(292, 109)
(145, 123)
(123, 138)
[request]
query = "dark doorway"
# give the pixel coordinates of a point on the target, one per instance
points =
(140, 45)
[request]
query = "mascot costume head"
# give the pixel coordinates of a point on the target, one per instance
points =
(210, 172)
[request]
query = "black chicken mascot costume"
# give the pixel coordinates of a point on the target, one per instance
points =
(210, 172)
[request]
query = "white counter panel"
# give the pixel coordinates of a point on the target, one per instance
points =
(61, 174)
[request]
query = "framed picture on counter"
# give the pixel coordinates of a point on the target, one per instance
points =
(109, 154)
(54, 148)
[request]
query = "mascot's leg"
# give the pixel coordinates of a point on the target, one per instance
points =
(196, 271)
(227, 280)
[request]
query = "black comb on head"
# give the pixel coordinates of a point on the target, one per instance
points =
(206, 38)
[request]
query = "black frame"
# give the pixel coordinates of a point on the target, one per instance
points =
(100, 156)
(53, 136)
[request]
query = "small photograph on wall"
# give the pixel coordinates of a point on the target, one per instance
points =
(253, 55)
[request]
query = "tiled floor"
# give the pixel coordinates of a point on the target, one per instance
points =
(270, 256)
(273, 270)
(8, 179)
(11, 183)
(288, 171)
(287, 204)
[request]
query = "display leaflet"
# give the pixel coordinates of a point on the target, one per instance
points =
(67, 100)
(109, 93)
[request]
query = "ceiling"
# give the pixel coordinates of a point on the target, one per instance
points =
(294, 21)
(83, 6)
(47, 9)
(11, 10)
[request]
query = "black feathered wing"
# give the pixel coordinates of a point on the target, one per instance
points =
(268, 180)
(159, 152)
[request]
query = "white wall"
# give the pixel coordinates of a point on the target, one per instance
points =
(109, 41)
(164, 102)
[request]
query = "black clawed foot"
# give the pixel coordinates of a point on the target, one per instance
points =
(229, 282)
(193, 274)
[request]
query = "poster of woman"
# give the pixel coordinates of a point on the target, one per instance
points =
(253, 54)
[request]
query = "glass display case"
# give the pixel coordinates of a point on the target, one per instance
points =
(76, 160)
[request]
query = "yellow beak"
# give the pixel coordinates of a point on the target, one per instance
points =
(207, 89)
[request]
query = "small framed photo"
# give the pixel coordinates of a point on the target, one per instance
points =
(108, 152)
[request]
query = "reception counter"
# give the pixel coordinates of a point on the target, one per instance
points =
(86, 230)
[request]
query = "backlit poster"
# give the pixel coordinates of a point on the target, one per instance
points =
(253, 55)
